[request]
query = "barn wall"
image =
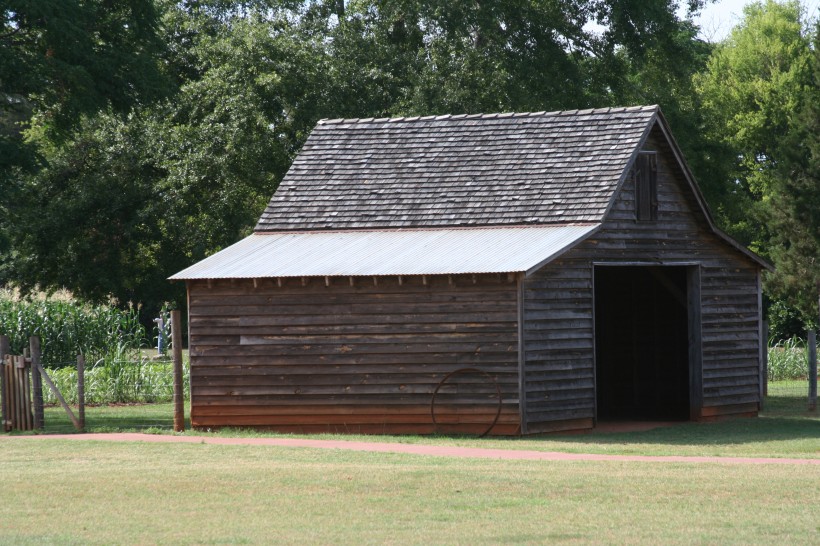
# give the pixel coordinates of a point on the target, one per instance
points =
(558, 306)
(361, 358)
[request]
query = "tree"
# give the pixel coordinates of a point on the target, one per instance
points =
(753, 84)
(796, 204)
(61, 60)
(127, 200)
(128, 193)
(67, 58)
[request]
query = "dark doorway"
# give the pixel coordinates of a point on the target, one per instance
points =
(642, 342)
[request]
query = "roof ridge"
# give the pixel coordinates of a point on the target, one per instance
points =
(494, 115)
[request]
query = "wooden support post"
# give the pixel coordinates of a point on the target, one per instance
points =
(179, 400)
(7, 369)
(764, 364)
(812, 370)
(17, 388)
(24, 401)
(4, 402)
(36, 383)
(81, 390)
(59, 396)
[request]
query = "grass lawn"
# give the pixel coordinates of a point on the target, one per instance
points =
(65, 492)
(784, 429)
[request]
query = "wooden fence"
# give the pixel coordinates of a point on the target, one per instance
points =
(21, 390)
(17, 404)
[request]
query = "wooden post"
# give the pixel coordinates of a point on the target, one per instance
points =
(764, 364)
(59, 395)
(24, 400)
(36, 383)
(81, 390)
(812, 370)
(7, 375)
(4, 403)
(179, 399)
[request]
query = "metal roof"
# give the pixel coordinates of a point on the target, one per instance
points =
(389, 252)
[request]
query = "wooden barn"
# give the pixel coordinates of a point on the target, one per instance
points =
(505, 273)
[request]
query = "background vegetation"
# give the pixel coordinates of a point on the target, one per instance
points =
(67, 328)
(138, 137)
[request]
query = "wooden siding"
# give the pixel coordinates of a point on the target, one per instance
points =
(322, 355)
(559, 335)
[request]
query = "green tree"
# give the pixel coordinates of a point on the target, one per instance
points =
(128, 200)
(61, 60)
(795, 244)
(130, 195)
(67, 58)
(754, 83)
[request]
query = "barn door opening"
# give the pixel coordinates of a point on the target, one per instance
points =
(642, 319)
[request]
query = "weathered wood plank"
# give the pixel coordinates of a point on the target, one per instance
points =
(312, 350)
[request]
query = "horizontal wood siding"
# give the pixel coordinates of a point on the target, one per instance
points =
(558, 305)
(322, 355)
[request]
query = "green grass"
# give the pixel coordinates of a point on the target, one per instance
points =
(784, 429)
(66, 492)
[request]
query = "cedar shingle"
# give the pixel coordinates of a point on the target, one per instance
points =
(497, 169)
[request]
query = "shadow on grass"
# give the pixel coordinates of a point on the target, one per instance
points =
(784, 419)
(729, 432)
(115, 418)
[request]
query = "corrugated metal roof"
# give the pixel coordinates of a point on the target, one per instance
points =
(394, 252)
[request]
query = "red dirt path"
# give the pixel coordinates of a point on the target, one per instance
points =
(414, 449)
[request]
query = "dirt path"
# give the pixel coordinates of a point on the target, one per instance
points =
(414, 449)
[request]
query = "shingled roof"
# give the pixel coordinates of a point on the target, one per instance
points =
(444, 195)
(468, 170)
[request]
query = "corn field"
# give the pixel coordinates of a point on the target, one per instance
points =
(788, 360)
(67, 327)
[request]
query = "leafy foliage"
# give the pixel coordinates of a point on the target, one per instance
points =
(131, 157)
(754, 82)
(117, 379)
(139, 189)
(788, 360)
(795, 208)
(67, 328)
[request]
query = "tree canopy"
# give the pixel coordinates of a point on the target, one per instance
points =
(138, 137)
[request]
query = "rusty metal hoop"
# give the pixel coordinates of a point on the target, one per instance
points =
(468, 370)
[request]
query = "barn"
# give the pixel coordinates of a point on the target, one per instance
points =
(505, 274)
